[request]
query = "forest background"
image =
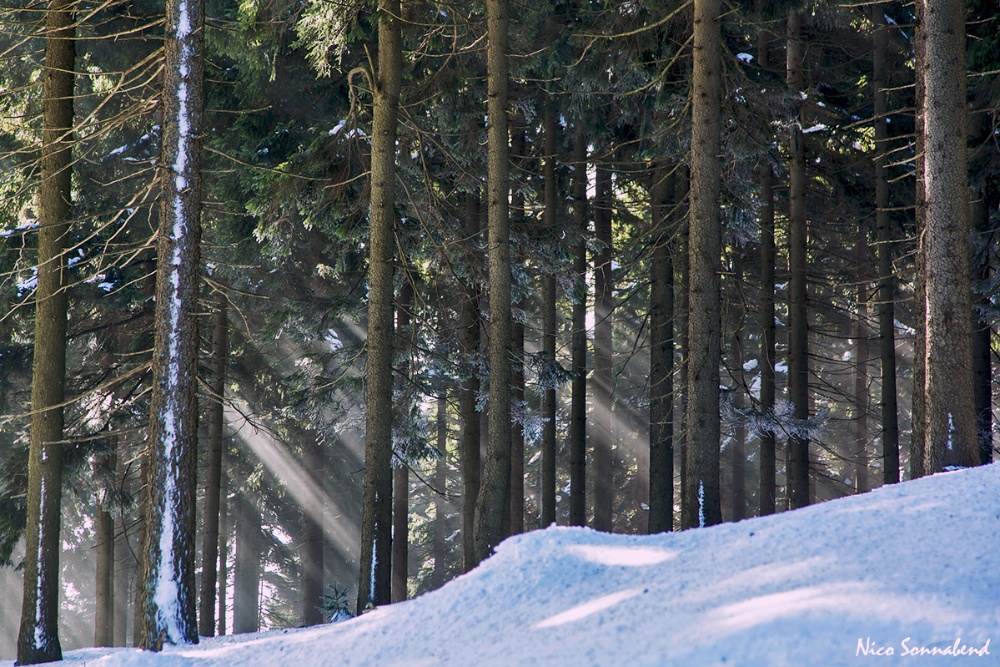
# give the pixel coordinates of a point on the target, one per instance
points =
(345, 309)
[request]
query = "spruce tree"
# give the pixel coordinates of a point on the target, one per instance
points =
(213, 481)
(578, 405)
(798, 325)
(950, 421)
(493, 494)
(38, 640)
(167, 573)
(883, 231)
(376, 527)
(701, 501)
(661, 356)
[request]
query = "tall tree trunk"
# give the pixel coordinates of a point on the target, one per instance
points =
(798, 325)
(681, 317)
(374, 588)
(548, 492)
(137, 610)
(313, 582)
(400, 472)
(886, 278)
(38, 640)
(213, 479)
(703, 505)
(400, 532)
(603, 365)
(167, 580)
(578, 400)
(982, 331)
(104, 529)
(493, 492)
(918, 412)
(246, 578)
(861, 372)
(768, 465)
(661, 356)
(470, 428)
(950, 408)
(149, 293)
(484, 416)
(124, 569)
(739, 459)
(516, 523)
(223, 545)
(440, 504)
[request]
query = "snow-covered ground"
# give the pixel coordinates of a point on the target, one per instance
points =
(903, 569)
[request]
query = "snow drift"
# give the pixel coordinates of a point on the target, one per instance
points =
(905, 574)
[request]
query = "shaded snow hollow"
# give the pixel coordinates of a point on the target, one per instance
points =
(911, 563)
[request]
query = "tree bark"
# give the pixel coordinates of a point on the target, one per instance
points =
(167, 579)
(768, 467)
(137, 610)
(702, 506)
(982, 331)
(548, 491)
(149, 293)
(739, 459)
(400, 532)
(38, 640)
(861, 371)
(681, 196)
(223, 545)
(603, 364)
(104, 537)
(918, 412)
(124, 569)
(440, 505)
(798, 325)
(493, 494)
(470, 428)
(516, 522)
(661, 356)
(768, 463)
(400, 472)
(578, 400)
(950, 408)
(374, 588)
(886, 278)
(213, 478)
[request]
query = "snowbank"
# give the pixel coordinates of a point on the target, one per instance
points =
(898, 570)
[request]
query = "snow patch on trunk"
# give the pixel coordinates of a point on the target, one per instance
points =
(371, 585)
(701, 504)
(40, 637)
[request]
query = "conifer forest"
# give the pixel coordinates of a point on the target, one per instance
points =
(306, 306)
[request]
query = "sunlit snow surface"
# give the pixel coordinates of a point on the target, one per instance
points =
(914, 562)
